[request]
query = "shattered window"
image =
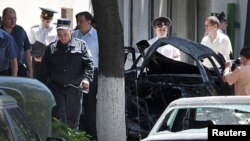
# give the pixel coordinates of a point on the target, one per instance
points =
(225, 114)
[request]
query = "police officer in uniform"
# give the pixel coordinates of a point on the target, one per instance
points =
(161, 26)
(8, 54)
(67, 64)
(40, 36)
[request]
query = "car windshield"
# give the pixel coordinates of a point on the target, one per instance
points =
(224, 114)
(199, 117)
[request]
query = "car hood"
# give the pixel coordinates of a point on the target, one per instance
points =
(194, 49)
(178, 136)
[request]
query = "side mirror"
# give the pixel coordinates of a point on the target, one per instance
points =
(142, 45)
(54, 139)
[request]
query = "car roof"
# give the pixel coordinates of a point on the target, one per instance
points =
(177, 136)
(194, 49)
(209, 100)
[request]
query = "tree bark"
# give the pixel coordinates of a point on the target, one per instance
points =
(111, 86)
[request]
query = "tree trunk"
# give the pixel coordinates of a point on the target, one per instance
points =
(110, 116)
(247, 29)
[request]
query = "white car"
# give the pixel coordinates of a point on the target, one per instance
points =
(188, 118)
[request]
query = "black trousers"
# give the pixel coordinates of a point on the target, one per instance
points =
(22, 71)
(88, 118)
(36, 68)
(68, 104)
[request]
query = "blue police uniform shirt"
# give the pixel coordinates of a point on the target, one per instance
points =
(7, 50)
(92, 43)
(22, 41)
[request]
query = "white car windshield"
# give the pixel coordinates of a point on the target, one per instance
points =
(200, 117)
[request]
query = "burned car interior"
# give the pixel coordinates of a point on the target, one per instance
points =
(153, 80)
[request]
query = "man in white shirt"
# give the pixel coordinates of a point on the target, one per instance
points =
(161, 25)
(216, 40)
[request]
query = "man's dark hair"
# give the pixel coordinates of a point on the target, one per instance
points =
(6, 10)
(245, 52)
(87, 15)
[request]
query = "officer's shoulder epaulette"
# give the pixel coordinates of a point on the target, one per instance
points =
(53, 47)
(34, 26)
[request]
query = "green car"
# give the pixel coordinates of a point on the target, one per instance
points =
(25, 110)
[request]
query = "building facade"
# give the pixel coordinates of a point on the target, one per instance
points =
(188, 18)
(136, 15)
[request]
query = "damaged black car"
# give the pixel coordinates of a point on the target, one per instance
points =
(154, 80)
